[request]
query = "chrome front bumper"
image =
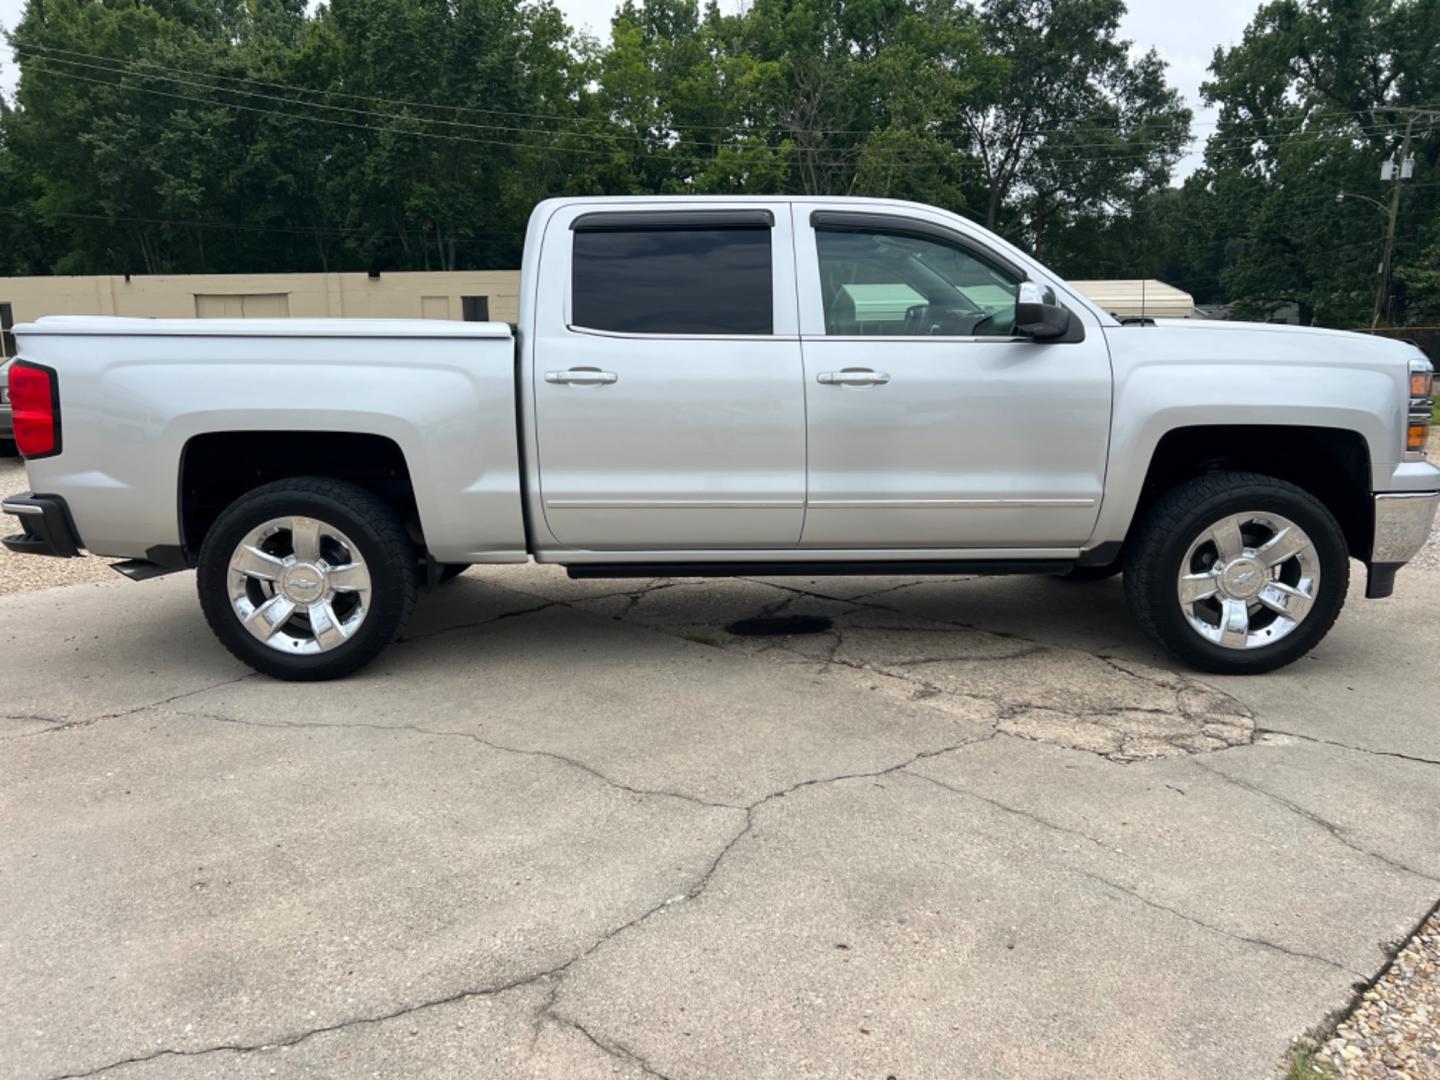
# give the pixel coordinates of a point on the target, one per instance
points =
(1403, 521)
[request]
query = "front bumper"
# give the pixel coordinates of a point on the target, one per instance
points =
(46, 523)
(1403, 520)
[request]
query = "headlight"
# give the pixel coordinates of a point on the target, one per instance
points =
(1421, 409)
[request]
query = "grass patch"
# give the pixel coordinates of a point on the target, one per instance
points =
(1302, 1068)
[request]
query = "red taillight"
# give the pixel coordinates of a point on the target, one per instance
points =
(35, 406)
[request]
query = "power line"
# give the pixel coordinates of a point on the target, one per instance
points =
(411, 103)
(891, 153)
(119, 65)
(327, 120)
(912, 157)
(299, 231)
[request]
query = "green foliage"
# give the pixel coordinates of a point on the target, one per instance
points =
(1300, 1067)
(1311, 102)
(216, 135)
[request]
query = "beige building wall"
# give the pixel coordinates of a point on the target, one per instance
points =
(1130, 298)
(410, 295)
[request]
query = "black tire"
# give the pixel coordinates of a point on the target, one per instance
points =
(8, 448)
(374, 529)
(1091, 573)
(1162, 538)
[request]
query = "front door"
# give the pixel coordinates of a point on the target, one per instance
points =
(669, 401)
(931, 425)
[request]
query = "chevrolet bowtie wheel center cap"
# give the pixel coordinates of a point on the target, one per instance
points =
(303, 583)
(1243, 578)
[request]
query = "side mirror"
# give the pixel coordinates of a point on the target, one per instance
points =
(1037, 315)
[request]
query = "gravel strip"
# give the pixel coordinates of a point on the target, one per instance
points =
(1394, 1033)
(21, 573)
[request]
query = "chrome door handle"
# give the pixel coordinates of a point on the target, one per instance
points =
(582, 376)
(853, 377)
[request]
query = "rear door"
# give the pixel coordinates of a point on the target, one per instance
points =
(669, 396)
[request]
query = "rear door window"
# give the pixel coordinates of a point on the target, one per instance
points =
(670, 278)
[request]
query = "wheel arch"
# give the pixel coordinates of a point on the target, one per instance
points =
(1332, 464)
(218, 467)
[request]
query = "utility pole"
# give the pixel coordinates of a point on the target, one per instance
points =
(1382, 289)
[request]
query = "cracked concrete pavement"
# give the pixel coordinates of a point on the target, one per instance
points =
(978, 828)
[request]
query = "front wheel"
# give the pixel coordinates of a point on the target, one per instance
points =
(306, 579)
(1237, 573)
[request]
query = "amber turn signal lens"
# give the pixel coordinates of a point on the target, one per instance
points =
(1421, 383)
(1416, 435)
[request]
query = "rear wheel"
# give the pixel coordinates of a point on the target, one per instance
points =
(307, 579)
(1237, 573)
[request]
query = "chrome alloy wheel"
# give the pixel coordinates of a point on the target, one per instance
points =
(299, 585)
(1249, 580)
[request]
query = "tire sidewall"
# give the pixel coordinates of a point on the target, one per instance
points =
(388, 595)
(1275, 497)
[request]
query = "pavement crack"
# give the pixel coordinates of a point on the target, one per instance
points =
(910, 585)
(1036, 818)
(54, 723)
(1349, 746)
(406, 638)
(888, 610)
(611, 1048)
(1336, 831)
(295, 1038)
(555, 971)
(57, 725)
(1019, 654)
(441, 733)
(1259, 942)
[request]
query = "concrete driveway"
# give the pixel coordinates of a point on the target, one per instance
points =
(574, 829)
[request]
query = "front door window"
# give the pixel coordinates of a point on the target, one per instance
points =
(894, 284)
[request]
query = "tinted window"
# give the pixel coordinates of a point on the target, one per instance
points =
(875, 282)
(674, 281)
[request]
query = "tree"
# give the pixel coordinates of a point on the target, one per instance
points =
(1311, 102)
(220, 135)
(1069, 125)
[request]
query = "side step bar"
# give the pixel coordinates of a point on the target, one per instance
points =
(912, 568)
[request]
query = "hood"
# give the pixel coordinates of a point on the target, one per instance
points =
(1259, 343)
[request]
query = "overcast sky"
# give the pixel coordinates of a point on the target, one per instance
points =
(1184, 33)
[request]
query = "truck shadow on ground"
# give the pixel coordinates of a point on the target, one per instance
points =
(972, 647)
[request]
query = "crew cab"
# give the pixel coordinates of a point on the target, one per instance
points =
(726, 386)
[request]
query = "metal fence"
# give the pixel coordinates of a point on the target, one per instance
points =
(1426, 337)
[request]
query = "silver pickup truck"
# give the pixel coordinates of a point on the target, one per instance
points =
(724, 386)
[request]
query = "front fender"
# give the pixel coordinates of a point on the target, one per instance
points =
(1163, 385)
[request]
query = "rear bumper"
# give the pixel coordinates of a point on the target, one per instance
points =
(47, 528)
(1403, 521)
